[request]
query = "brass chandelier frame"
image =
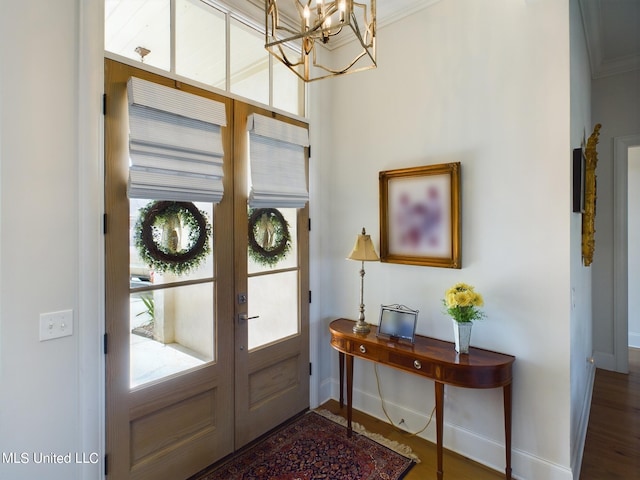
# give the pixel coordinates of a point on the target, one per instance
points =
(317, 25)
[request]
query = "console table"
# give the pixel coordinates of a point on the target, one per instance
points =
(431, 358)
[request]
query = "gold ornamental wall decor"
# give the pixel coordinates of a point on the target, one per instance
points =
(590, 195)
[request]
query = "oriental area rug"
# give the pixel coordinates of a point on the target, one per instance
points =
(316, 446)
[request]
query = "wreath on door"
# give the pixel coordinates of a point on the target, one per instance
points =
(269, 237)
(160, 239)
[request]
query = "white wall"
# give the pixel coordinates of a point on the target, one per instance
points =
(487, 84)
(582, 370)
(634, 244)
(50, 241)
(616, 105)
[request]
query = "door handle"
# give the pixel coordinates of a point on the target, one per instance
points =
(245, 317)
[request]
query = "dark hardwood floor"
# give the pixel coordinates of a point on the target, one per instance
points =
(612, 447)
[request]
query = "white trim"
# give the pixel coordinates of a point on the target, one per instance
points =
(397, 15)
(577, 449)
(634, 340)
(620, 254)
(600, 68)
(604, 360)
(91, 270)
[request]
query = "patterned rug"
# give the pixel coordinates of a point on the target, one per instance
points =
(315, 446)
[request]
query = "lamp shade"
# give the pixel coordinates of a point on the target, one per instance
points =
(363, 249)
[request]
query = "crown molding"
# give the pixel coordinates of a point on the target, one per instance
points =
(591, 11)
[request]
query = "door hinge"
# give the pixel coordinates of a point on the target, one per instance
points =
(104, 224)
(309, 296)
(105, 343)
(310, 369)
(309, 147)
(106, 465)
(104, 104)
(309, 224)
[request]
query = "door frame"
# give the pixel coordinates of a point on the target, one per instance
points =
(620, 252)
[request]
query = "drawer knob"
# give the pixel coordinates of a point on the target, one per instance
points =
(417, 364)
(363, 349)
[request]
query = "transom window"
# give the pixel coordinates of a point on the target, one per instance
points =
(204, 41)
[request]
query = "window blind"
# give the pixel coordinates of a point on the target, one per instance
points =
(175, 144)
(277, 158)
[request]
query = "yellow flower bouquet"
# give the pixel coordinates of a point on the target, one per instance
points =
(462, 303)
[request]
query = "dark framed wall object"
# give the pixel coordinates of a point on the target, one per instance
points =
(578, 180)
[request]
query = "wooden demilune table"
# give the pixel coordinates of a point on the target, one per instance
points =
(431, 358)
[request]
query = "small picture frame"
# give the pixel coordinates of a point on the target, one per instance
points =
(397, 322)
(420, 219)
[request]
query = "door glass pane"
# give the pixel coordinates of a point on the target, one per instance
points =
(172, 330)
(260, 231)
(130, 24)
(201, 42)
(288, 89)
(274, 301)
(142, 274)
(249, 63)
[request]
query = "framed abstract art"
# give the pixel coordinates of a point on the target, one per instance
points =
(420, 218)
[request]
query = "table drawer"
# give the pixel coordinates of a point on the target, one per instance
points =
(366, 350)
(411, 364)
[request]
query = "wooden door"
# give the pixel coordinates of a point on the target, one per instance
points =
(272, 311)
(172, 422)
(169, 396)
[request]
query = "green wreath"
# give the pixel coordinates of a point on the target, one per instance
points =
(269, 238)
(157, 236)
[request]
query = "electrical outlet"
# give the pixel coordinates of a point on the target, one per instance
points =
(56, 325)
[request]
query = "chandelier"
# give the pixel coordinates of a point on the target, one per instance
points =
(304, 35)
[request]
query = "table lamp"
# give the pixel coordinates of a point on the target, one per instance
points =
(363, 250)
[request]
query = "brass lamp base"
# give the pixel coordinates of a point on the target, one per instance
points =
(361, 327)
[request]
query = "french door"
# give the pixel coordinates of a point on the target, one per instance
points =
(191, 376)
(272, 336)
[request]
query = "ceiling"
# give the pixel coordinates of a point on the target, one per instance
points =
(612, 30)
(387, 11)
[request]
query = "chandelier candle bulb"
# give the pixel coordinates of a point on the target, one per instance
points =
(306, 14)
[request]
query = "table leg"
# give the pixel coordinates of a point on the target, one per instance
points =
(349, 393)
(439, 387)
(341, 362)
(507, 428)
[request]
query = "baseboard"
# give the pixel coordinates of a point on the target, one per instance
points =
(577, 449)
(325, 392)
(460, 440)
(634, 340)
(606, 361)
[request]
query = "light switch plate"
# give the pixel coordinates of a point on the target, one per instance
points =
(56, 325)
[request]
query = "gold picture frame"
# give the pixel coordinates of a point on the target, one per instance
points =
(420, 220)
(590, 195)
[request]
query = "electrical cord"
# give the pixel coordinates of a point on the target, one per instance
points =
(384, 409)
